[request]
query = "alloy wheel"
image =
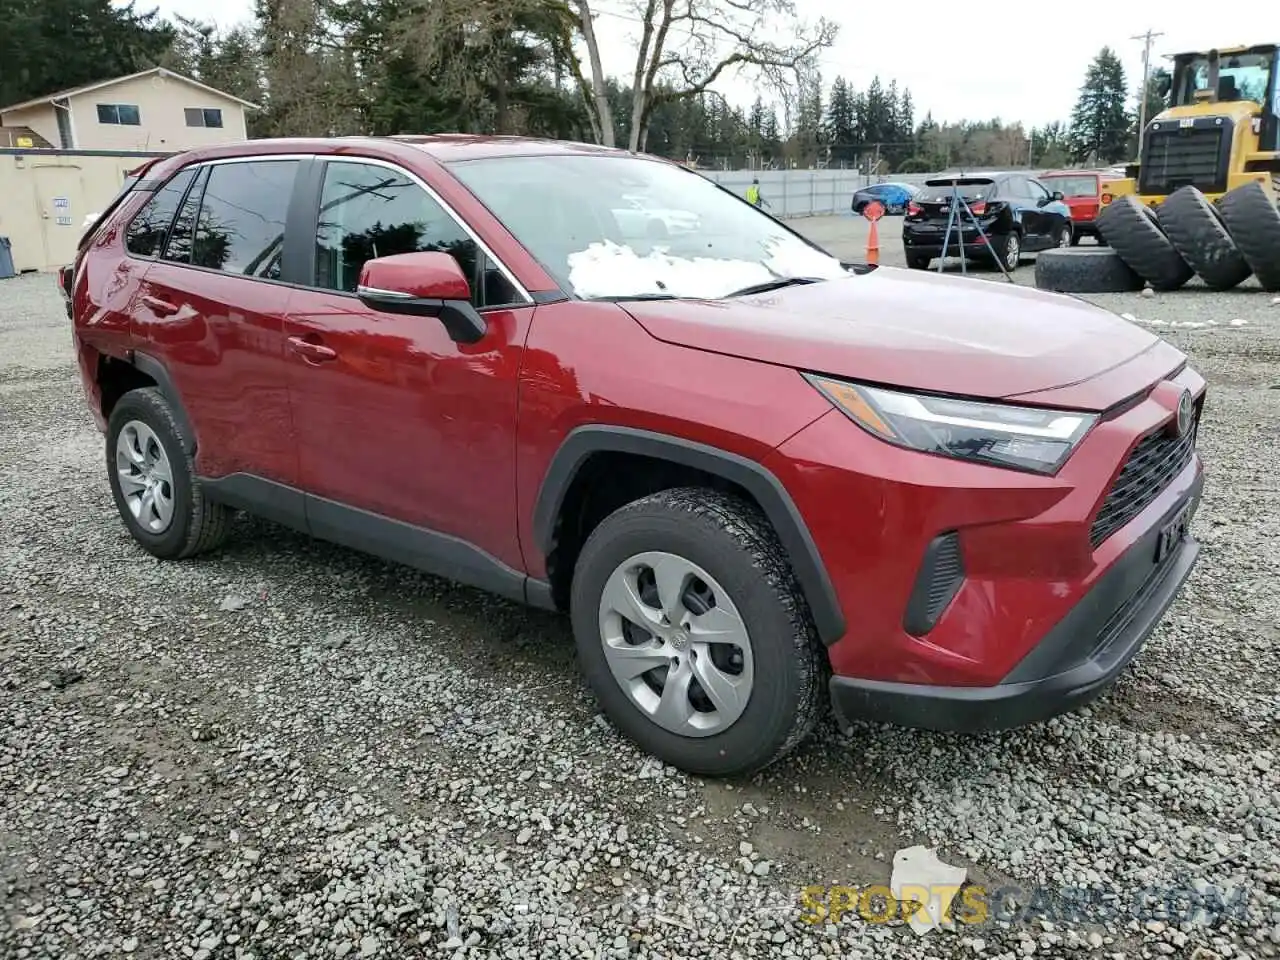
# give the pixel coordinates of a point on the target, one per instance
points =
(1013, 252)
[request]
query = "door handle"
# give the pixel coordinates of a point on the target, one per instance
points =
(162, 307)
(313, 352)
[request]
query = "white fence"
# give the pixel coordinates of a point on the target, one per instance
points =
(805, 193)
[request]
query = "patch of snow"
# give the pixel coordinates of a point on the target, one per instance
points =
(608, 269)
(919, 875)
(1237, 322)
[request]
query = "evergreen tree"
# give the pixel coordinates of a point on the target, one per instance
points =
(1100, 122)
(50, 45)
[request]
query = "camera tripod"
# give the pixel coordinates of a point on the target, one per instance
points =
(959, 203)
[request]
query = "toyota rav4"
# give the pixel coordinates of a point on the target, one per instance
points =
(759, 480)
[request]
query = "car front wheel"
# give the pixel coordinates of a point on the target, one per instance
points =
(694, 635)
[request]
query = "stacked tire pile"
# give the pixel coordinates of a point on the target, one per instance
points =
(1223, 243)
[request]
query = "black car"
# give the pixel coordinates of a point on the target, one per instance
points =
(1018, 215)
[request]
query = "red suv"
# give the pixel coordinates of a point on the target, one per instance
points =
(757, 478)
(1082, 191)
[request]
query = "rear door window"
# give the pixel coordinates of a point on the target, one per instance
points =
(240, 225)
(149, 228)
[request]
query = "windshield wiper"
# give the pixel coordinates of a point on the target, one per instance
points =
(617, 298)
(777, 284)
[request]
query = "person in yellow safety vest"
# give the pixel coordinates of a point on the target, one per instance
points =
(753, 193)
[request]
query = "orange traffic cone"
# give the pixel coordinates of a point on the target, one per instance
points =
(873, 244)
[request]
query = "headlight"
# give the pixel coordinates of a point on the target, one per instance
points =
(1026, 438)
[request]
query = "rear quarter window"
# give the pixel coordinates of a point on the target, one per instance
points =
(149, 228)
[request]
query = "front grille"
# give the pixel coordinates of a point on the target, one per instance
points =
(1155, 461)
(1178, 157)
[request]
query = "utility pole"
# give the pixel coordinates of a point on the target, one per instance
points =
(1146, 39)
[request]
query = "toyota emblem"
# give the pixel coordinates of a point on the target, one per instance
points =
(1186, 409)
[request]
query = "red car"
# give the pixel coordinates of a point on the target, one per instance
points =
(757, 479)
(1082, 190)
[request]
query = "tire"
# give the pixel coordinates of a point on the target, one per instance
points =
(728, 540)
(1254, 222)
(1135, 233)
(916, 261)
(143, 422)
(1200, 236)
(1085, 270)
(1066, 237)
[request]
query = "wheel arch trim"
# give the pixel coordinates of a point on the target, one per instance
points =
(158, 372)
(758, 481)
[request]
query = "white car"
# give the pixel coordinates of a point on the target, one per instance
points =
(639, 218)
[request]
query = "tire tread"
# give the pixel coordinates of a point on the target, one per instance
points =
(746, 524)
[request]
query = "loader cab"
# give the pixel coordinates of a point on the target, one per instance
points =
(1238, 74)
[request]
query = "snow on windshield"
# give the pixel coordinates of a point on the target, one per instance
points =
(623, 226)
(608, 269)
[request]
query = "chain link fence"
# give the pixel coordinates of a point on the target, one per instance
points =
(806, 193)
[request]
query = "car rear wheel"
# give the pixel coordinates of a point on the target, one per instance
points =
(153, 480)
(1009, 250)
(916, 261)
(694, 635)
(1065, 238)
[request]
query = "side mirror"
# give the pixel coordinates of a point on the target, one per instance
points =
(423, 285)
(1057, 195)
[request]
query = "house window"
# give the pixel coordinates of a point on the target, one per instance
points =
(121, 113)
(203, 117)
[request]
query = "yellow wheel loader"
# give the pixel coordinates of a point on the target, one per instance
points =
(1220, 131)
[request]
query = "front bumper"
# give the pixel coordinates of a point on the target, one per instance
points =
(1074, 662)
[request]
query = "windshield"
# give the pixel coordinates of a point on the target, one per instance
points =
(1072, 186)
(1243, 77)
(619, 226)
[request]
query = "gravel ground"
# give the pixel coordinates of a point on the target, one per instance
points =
(289, 750)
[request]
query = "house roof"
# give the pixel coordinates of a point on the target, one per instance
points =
(158, 71)
(9, 137)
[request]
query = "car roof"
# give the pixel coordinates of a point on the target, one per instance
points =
(964, 175)
(444, 147)
(1073, 173)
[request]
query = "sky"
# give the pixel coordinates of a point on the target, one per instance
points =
(1002, 65)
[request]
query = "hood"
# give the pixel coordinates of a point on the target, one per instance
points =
(915, 329)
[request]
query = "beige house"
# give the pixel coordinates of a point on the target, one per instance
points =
(155, 110)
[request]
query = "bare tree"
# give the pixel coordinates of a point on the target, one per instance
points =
(685, 46)
(598, 102)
